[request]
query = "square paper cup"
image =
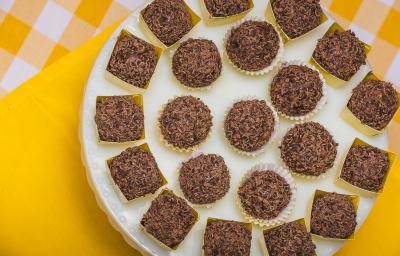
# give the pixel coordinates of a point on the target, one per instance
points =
(331, 79)
(154, 39)
(349, 186)
(350, 118)
(138, 100)
(116, 80)
(271, 17)
(211, 20)
(146, 148)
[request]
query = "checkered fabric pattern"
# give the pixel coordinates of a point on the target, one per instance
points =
(35, 33)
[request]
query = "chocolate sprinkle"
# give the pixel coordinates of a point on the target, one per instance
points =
(308, 149)
(119, 119)
(133, 60)
(297, 17)
(185, 122)
(204, 179)
(289, 239)
(226, 238)
(169, 20)
(253, 45)
(225, 8)
(264, 195)
(249, 125)
(197, 63)
(169, 219)
(366, 167)
(341, 54)
(374, 103)
(136, 173)
(333, 216)
(296, 90)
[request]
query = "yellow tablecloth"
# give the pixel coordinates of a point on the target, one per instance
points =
(46, 205)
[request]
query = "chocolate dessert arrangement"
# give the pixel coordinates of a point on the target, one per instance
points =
(226, 8)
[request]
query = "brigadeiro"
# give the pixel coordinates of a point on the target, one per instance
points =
(308, 149)
(289, 239)
(169, 20)
(253, 46)
(225, 238)
(297, 17)
(197, 63)
(333, 216)
(225, 8)
(169, 219)
(204, 179)
(366, 167)
(340, 53)
(133, 60)
(185, 122)
(374, 103)
(136, 173)
(119, 119)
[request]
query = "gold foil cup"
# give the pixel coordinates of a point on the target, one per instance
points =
(116, 80)
(138, 100)
(351, 119)
(146, 148)
(195, 213)
(331, 79)
(211, 20)
(348, 186)
(355, 199)
(285, 213)
(154, 39)
(271, 17)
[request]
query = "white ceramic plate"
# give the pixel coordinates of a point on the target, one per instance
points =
(126, 216)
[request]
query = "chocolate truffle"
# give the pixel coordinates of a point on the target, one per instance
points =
(225, 8)
(296, 90)
(264, 194)
(185, 122)
(253, 45)
(197, 63)
(333, 216)
(289, 239)
(225, 238)
(204, 179)
(341, 54)
(169, 20)
(136, 173)
(297, 17)
(374, 103)
(366, 167)
(119, 119)
(133, 60)
(308, 149)
(169, 219)
(249, 125)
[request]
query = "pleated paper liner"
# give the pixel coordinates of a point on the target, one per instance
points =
(197, 217)
(263, 71)
(331, 79)
(351, 119)
(138, 100)
(321, 103)
(214, 21)
(154, 39)
(272, 137)
(169, 145)
(271, 18)
(261, 240)
(355, 199)
(119, 82)
(146, 148)
(348, 186)
(285, 214)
